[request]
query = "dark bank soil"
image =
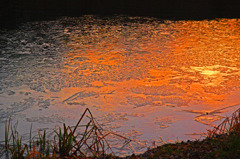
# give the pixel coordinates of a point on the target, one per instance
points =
(225, 146)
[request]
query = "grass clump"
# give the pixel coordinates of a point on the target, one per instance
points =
(80, 141)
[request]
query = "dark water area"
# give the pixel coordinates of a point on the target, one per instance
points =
(13, 12)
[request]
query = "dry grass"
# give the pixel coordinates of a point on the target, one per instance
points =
(230, 124)
(86, 139)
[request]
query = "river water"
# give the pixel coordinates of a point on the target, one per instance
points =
(147, 79)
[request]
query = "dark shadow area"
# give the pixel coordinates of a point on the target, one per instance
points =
(13, 12)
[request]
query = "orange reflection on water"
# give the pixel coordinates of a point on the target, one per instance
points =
(210, 50)
(193, 64)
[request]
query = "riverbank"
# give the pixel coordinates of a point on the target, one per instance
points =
(222, 146)
(223, 142)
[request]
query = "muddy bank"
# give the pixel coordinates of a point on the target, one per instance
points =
(14, 11)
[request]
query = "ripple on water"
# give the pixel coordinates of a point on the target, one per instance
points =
(139, 76)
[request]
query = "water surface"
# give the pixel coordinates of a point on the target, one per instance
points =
(144, 78)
